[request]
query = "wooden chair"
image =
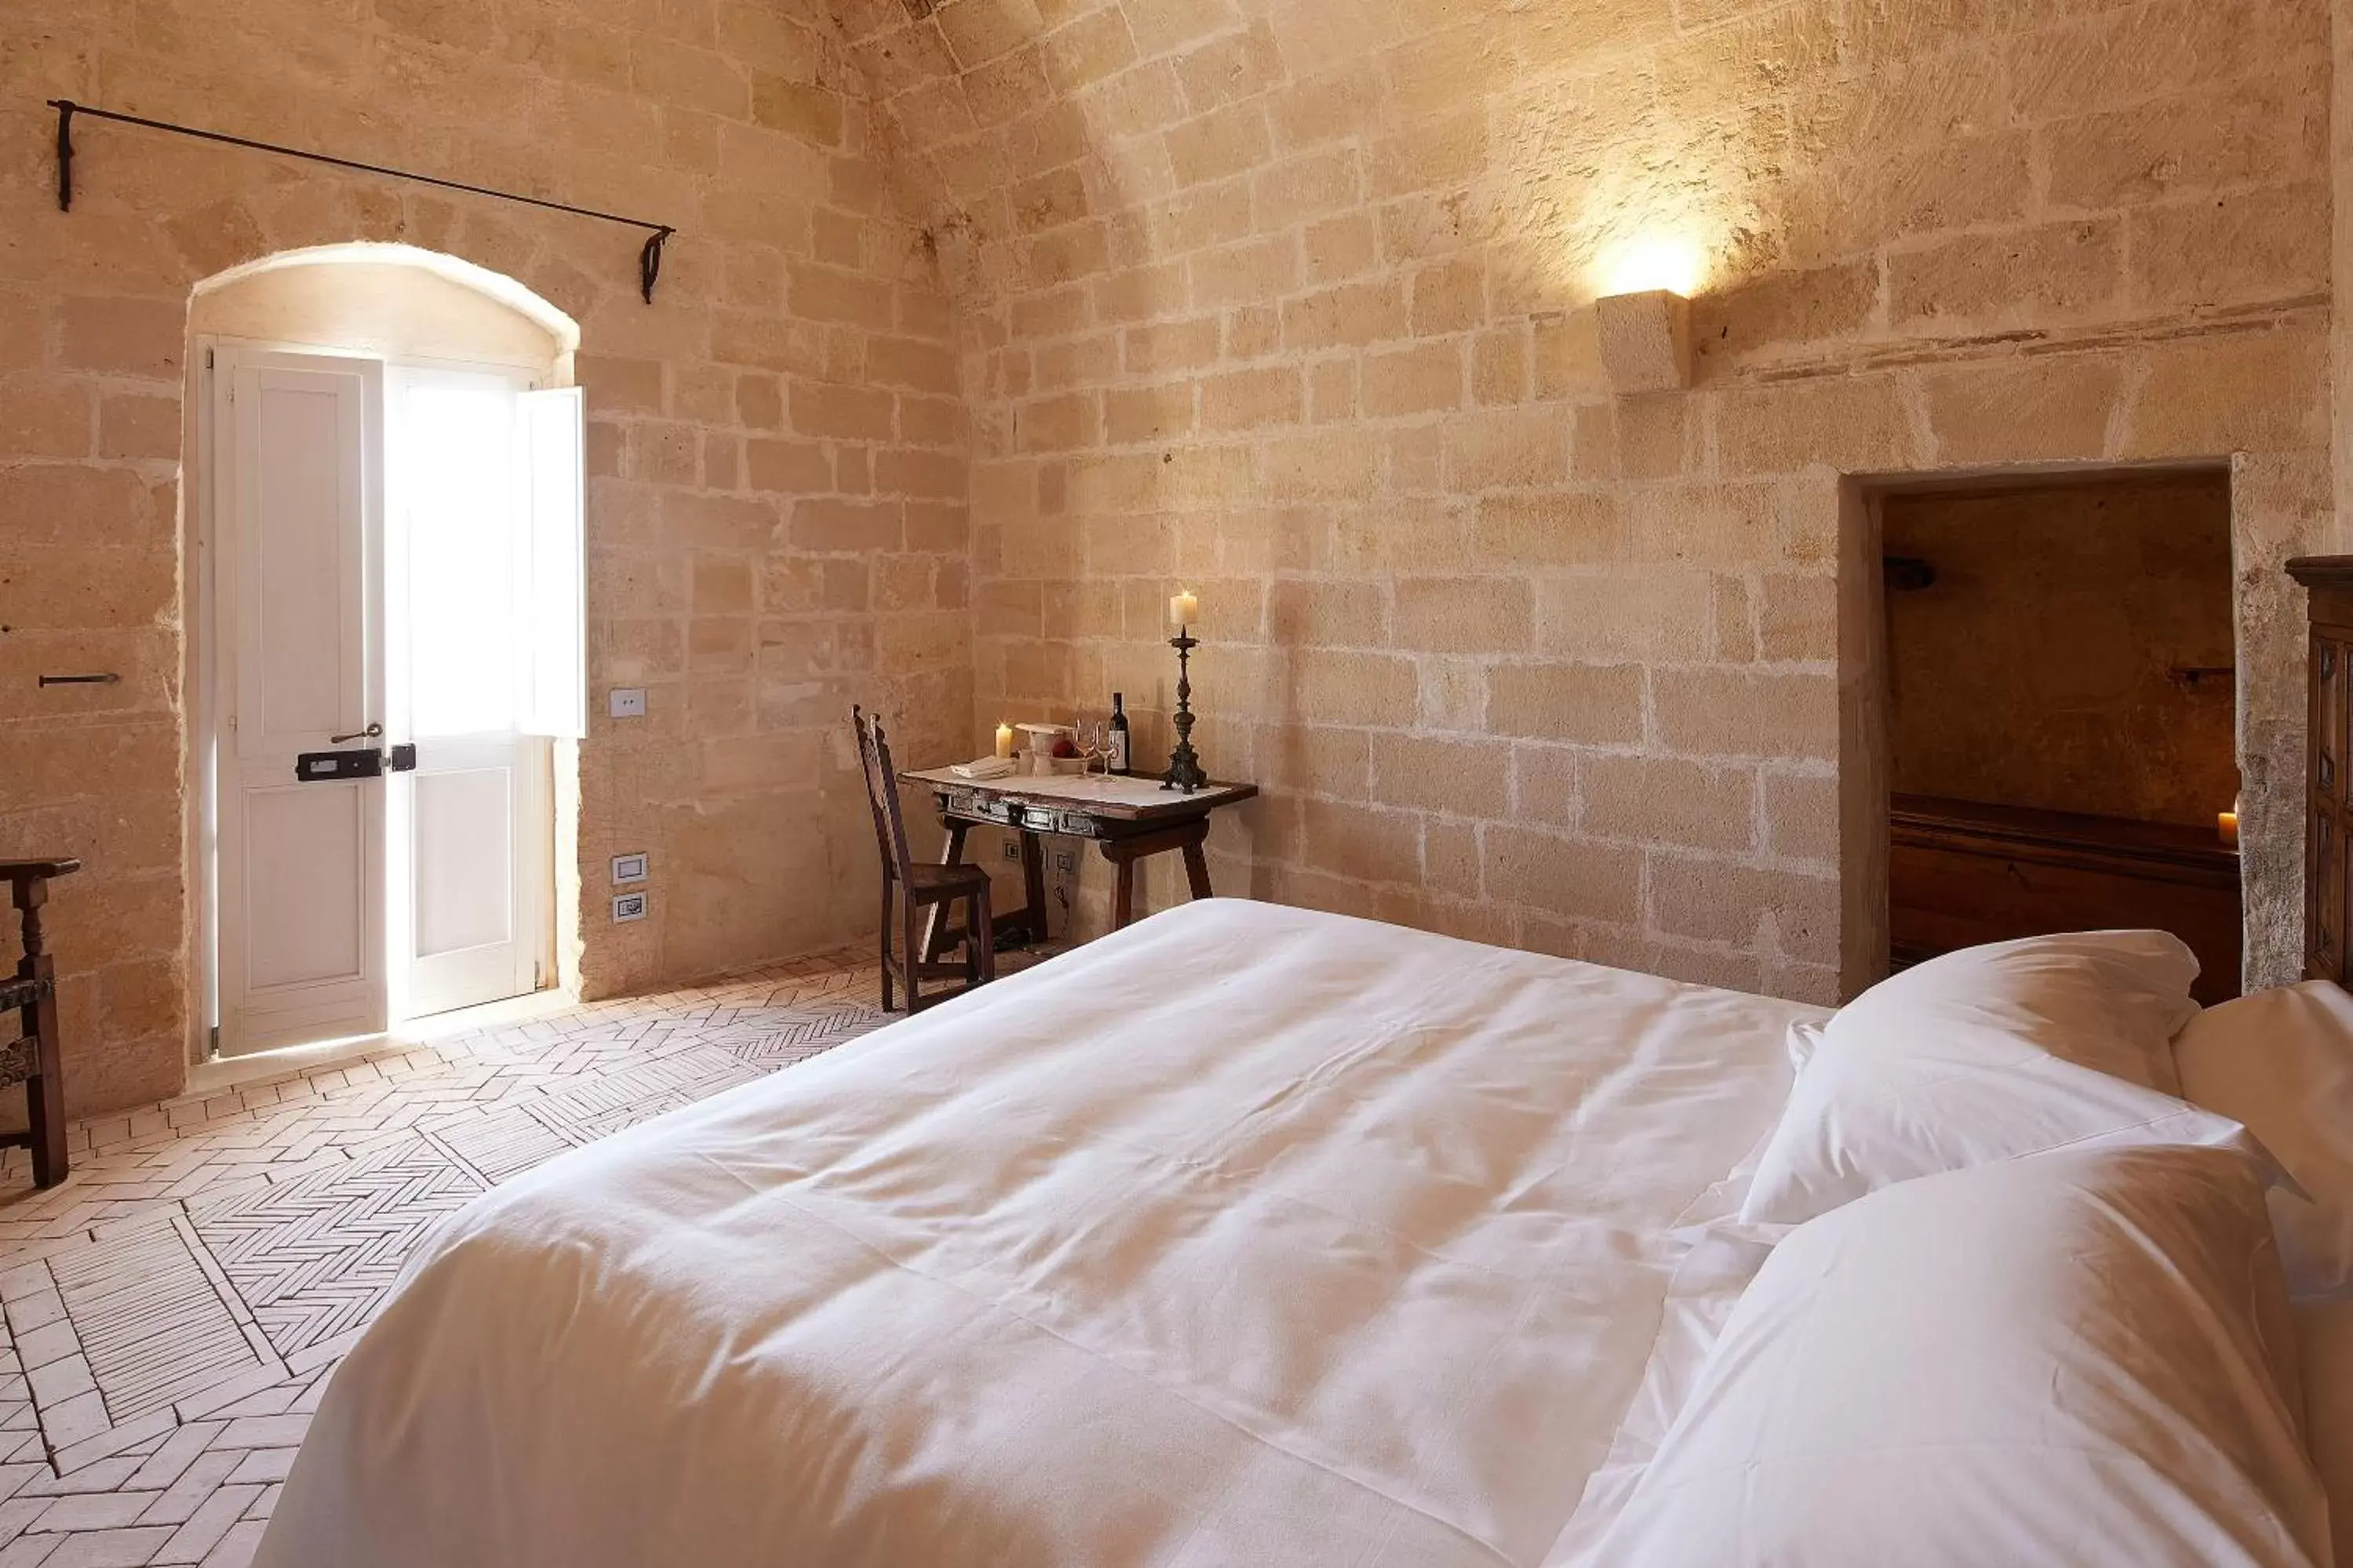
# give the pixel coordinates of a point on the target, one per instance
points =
(34, 1059)
(921, 887)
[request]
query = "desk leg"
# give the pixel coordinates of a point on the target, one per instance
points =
(1123, 897)
(1196, 866)
(935, 918)
(1123, 853)
(1033, 886)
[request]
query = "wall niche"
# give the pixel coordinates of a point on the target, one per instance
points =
(2062, 714)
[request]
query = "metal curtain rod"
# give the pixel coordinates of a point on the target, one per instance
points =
(649, 257)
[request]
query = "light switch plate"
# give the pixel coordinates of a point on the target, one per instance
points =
(628, 907)
(630, 868)
(628, 701)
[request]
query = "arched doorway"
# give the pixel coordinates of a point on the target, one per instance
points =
(384, 497)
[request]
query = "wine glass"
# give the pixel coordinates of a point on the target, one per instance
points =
(1094, 744)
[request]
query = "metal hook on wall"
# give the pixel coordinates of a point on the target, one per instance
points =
(65, 155)
(649, 262)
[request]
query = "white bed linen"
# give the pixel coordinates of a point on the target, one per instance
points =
(1286, 1238)
(2078, 1358)
(2281, 1061)
(2323, 1337)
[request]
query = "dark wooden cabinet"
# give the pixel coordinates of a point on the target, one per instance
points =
(2327, 810)
(1960, 873)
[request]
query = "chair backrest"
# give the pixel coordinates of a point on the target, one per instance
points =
(881, 795)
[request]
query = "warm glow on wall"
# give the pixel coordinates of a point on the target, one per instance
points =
(1675, 262)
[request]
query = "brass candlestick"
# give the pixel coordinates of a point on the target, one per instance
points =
(1184, 767)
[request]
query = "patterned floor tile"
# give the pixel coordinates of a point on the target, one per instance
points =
(153, 1326)
(312, 1257)
(170, 1317)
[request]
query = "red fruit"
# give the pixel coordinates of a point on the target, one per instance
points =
(1062, 747)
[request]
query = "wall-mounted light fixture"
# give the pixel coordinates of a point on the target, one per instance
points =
(1646, 340)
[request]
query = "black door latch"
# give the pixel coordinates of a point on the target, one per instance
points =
(317, 767)
(313, 767)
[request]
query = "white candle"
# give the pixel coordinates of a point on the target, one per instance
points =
(1004, 739)
(1184, 609)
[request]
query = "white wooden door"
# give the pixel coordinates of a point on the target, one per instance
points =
(472, 826)
(298, 628)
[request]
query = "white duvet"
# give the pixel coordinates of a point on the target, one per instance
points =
(1246, 1235)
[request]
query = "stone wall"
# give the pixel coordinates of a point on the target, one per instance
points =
(2075, 652)
(1290, 303)
(1286, 301)
(775, 516)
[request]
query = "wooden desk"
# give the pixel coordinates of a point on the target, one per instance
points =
(1130, 819)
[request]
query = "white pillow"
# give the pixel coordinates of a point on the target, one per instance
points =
(2077, 1358)
(2281, 1062)
(2112, 1000)
(1988, 1054)
(2323, 1337)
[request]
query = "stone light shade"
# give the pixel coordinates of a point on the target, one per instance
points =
(1646, 340)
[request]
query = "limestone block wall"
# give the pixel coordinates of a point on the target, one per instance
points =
(1289, 301)
(777, 518)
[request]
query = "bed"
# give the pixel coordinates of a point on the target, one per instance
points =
(1246, 1235)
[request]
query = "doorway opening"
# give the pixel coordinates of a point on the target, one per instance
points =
(2061, 713)
(385, 494)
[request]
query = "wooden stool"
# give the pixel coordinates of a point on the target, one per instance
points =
(35, 1060)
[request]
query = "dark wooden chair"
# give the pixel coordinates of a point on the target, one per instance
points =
(33, 1059)
(921, 887)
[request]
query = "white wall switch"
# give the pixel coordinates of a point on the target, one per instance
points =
(628, 867)
(628, 907)
(628, 701)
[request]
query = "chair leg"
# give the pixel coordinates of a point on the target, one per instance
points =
(912, 932)
(984, 941)
(45, 1097)
(972, 943)
(886, 944)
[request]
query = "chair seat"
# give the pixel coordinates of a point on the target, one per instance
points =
(945, 879)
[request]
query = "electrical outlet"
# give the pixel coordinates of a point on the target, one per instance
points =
(628, 907)
(628, 701)
(630, 868)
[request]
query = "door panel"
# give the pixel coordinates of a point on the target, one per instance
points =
(296, 504)
(306, 674)
(465, 852)
(472, 836)
(305, 845)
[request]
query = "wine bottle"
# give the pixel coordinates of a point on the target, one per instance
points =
(1117, 743)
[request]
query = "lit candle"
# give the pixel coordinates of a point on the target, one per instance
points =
(1184, 609)
(1004, 739)
(2228, 824)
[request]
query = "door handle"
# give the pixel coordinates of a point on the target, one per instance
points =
(372, 733)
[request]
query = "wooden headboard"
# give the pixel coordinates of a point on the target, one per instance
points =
(2329, 813)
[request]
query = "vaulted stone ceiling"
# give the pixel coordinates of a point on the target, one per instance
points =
(1055, 142)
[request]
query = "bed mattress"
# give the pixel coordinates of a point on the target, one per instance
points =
(1246, 1235)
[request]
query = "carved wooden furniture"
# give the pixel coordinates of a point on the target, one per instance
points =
(923, 890)
(34, 1059)
(2329, 810)
(1130, 819)
(1961, 873)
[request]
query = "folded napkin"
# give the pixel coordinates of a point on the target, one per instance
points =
(983, 768)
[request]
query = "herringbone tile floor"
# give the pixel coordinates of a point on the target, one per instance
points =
(169, 1316)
